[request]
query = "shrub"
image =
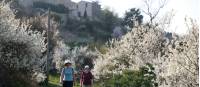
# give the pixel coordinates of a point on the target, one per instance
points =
(144, 77)
(175, 59)
(21, 49)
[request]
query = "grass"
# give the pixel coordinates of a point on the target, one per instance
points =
(55, 78)
(54, 81)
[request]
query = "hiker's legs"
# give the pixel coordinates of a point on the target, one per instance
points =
(68, 84)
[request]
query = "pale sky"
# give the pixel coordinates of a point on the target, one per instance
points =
(181, 8)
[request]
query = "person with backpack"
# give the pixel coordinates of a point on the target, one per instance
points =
(67, 77)
(86, 77)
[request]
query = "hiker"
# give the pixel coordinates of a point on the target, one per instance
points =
(86, 77)
(67, 75)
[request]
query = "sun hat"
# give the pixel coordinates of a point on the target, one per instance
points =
(67, 62)
(87, 67)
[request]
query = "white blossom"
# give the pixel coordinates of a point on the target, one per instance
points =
(20, 48)
(176, 65)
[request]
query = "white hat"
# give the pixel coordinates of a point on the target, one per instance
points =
(87, 67)
(67, 61)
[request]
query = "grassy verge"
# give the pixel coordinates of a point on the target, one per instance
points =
(55, 78)
(54, 81)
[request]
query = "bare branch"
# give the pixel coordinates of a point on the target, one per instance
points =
(153, 15)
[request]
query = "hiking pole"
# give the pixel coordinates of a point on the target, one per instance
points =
(48, 46)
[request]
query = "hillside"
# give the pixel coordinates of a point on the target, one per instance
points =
(73, 30)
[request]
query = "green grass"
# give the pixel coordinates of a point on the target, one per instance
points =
(54, 81)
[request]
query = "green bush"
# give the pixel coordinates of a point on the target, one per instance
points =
(144, 77)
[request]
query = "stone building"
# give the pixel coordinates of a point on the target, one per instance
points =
(77, 10)
(89, 9)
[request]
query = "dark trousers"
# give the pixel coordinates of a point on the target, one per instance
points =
(67, 83)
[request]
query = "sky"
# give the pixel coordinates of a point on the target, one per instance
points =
(181, 9)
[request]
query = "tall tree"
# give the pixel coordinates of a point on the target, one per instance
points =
(109, 20)
(132, 17)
